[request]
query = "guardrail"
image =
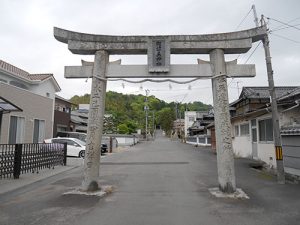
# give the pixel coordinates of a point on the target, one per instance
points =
(16, 159)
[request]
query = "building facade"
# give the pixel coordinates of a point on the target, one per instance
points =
(62, 115)
(252, 126)
(34, 94)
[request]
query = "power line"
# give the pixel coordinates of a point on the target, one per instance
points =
(297, 28)
(282, 27)
(252, 52)
(285, 38)
(241, 24)
(243, 19)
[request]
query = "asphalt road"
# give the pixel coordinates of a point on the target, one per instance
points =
(159, 182)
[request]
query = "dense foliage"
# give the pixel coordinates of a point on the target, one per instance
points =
(129, 114)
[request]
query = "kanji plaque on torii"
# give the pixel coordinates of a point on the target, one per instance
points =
(159, 49)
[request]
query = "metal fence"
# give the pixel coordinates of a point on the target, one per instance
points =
(16, 159)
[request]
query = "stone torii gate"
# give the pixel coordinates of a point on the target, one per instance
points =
(158, 49)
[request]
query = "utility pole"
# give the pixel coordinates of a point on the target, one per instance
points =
(153, 124)
(146, 109)
(180, 125)
(176, 110)
(255, 16)
(275, 116)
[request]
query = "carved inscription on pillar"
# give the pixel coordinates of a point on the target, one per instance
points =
(159, 54)
(95, 123)
(94, 120)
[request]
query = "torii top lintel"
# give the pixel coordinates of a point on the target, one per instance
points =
(232, 42)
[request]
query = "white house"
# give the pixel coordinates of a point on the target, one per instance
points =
(35, 95)
(252, 127)
(189, 119)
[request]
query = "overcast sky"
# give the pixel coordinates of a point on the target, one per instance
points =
(26, 38)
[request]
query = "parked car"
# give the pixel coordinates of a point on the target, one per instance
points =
(75, 147)
(81, 136)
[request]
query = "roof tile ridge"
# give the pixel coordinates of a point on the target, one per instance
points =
(13, 69)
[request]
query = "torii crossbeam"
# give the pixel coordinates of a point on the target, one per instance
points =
(159, 49)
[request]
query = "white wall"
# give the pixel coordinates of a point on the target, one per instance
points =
(242, 146)
(266, 153)
(125, 141)
(6, 78)
(43, 88)
(187, 123)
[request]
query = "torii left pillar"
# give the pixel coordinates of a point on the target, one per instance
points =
(95, 123)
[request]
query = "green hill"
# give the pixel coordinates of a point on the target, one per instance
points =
(128, 110)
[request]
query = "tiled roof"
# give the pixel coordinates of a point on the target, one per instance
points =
(22, 73)
(263, 92)
(81, 114)
(291, 94)
(14, 70)
(77, 119)
(63, 99)
(290, 130)
(81, 127)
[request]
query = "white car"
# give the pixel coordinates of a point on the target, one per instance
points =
(75, 147)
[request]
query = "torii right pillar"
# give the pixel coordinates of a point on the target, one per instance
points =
(225, 159)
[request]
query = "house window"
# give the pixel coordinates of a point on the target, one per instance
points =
(265, 130)
(38, 131)
(18, 84)
(245, 129)
(236, 130)
(16, 130)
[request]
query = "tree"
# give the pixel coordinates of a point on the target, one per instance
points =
(123, 129)
(129, 110)
(166, 117)
(131, 125)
